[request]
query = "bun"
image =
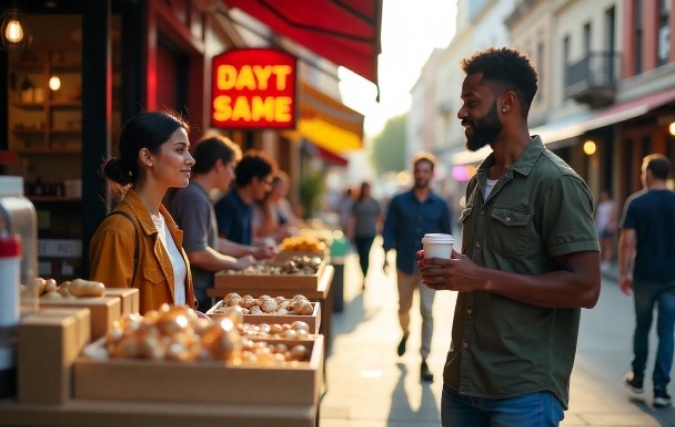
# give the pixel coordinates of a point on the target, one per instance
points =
(114, 169)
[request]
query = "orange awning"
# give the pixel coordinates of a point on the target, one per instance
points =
(326, 122)
(346, 32)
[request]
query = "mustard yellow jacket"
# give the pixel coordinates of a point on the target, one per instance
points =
(111, 255)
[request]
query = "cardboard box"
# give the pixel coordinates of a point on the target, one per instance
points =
(295, 282)
(82, 319)
(104, 311)
(137, 380)
(313, 320)
(48, 346)
(130, 298)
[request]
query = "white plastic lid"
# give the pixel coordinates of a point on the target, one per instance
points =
(11, 186)
(438, 237)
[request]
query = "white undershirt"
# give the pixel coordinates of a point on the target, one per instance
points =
(489, 185)
(177, 263)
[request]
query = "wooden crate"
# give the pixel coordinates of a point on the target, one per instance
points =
(298, 282)
(204, 382)
(313, 320)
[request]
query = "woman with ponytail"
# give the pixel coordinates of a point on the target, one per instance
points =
(139, 245)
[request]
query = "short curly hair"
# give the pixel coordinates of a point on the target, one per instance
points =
(509, 69)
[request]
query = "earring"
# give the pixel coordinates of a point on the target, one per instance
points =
(504, 110)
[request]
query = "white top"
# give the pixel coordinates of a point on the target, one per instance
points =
(179, 268)
(489, 185)
(603, 216)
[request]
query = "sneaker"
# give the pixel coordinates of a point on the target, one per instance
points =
(425, 373)
(400, 350)
(636, 385)
(661, 398)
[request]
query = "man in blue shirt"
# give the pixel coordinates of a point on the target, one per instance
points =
(234, 212)
(410, 216)
(648, 235)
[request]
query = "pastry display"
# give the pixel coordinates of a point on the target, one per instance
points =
(302, 244)
(265, 304)
(300, 265)
(48, 289)
(176, 333)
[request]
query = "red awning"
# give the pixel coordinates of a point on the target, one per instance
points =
(346, 32)
(331, 157)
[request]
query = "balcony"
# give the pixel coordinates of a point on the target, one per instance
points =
(592, 80)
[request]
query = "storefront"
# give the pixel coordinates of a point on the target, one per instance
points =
(142, 55)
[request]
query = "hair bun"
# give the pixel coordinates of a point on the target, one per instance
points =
(115, 170)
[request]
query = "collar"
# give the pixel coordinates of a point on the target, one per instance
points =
(524, 163)
(239, 200)
(134, 203)
(411, 194)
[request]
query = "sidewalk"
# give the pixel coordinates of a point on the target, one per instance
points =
(370, 386)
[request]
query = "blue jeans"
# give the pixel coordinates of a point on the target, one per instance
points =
(648, 295)
(540, 409)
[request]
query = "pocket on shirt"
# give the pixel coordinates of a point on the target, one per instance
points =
(508, 231)
(465, 214)
(153, 275)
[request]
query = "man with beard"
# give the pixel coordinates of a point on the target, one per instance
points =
(409, 217)
(529, 262)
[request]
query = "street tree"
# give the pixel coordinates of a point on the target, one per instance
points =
(388, 153)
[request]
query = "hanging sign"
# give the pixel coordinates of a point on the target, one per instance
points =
(253, 88)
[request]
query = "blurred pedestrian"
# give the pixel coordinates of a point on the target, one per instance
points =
(365, 222)
(531, 260)
(647, 238)
(344, 208)
(191, 207)
(410, 215)
(139, 245)
(273, 216)
(606, 221)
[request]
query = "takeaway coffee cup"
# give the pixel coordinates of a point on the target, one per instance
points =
(437, 245)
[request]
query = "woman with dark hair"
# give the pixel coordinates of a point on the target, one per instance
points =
(273, 216)
(365, 222)
(139, 245)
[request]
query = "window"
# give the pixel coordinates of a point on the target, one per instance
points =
(637, 46)
(587, 39)
(540, 70)
(566, 57)
(610, 40)
(663, 35)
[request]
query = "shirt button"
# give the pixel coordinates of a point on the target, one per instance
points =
(508, 219)
(469, 311)
(477, 244)
(465, 346)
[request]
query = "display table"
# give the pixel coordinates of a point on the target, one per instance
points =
(130, 414)
(323, 293)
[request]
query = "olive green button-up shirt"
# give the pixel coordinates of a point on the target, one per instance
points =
(538, 210)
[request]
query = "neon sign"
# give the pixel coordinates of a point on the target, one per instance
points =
(253, 88)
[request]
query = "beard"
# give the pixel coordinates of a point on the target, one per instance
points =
(421, 184)
(486, 131)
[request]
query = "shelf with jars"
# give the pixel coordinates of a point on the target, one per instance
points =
(45, 99)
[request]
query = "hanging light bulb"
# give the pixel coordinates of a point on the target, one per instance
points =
(14, 33)
(54, 83)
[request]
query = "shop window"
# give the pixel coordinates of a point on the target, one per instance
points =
(663, 35)
(540, 70)
(637, 46)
